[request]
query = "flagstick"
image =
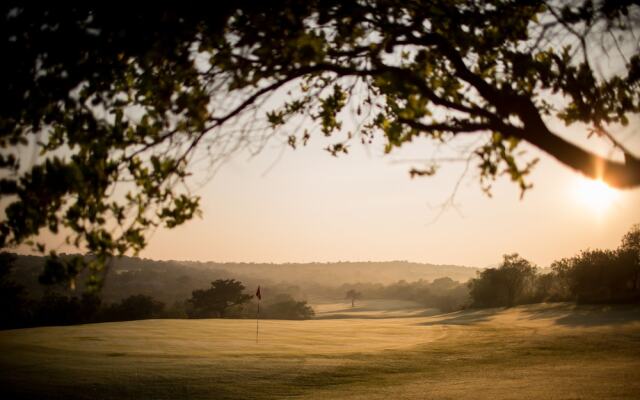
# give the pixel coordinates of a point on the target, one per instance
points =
(257, 319)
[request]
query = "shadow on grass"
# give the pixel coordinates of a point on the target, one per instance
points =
(353, 309)
(380, 315)
(565, 314)
(378, 307)
(586, 315)
(465, 317)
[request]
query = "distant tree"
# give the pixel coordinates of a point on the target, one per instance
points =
(353, 295)
(505, 285)
(215, 301)
(517, 274)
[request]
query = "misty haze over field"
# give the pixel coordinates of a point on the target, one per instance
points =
(174, 280)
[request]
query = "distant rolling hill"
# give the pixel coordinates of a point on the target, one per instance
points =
(172, 281)
(344, 272)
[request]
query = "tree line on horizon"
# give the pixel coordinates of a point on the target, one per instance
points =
(173, 281)
(226, 298)
(591, 276)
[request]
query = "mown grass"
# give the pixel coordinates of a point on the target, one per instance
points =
(527, 352)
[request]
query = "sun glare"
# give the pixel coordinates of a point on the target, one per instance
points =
(595, 194)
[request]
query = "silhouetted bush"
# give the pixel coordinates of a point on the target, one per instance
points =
(14, 305)
(601, 276)
(285, 307)
(510, 284)
(133, 308)
(58, 309)
(592, 276)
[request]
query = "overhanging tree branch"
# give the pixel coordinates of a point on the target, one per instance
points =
(131, 102)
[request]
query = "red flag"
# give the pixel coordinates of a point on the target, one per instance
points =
(258, 295)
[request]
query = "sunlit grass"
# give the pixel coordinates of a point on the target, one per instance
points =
(530, 352)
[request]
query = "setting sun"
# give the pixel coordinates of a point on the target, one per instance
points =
(596, 194)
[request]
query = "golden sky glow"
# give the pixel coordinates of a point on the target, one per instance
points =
(596, 195)
(304, 206)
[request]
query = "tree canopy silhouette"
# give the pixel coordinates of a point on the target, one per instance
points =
(119, 103)
(215, 301)
(505, 285)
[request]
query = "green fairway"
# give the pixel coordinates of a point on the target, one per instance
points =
(542, 351)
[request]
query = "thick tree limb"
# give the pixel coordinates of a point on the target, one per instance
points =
(535, 131)
(616, 174)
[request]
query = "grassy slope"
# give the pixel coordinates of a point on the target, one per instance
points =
(545, 351)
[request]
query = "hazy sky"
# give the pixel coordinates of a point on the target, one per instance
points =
(304, 205)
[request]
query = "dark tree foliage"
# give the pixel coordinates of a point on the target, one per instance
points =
(631, 244)
(215, 301)
(117, 103)
(58, 309)
(14, 305)
(601, 276)
(17, 310)
(509, 284)
(550, 287)
(592, 276)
